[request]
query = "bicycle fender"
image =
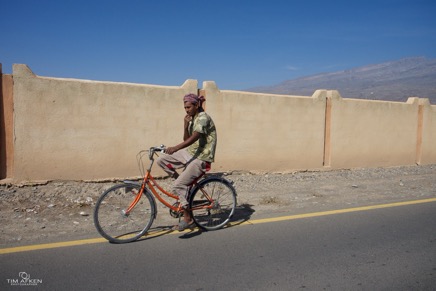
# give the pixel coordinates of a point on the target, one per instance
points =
(213, 178)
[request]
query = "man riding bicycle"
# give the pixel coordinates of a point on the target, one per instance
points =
(194, 154)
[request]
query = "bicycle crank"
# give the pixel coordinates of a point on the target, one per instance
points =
(176, 214)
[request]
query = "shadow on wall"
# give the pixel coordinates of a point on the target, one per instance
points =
(6, 126)
(3, 165)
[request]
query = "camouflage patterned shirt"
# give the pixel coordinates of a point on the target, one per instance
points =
(204, 147)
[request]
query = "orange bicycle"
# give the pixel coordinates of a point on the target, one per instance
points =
(126, 211)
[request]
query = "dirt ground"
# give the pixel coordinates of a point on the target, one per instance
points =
(59, 210)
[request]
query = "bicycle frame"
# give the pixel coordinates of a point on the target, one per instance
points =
(158, 192)
(126, 211)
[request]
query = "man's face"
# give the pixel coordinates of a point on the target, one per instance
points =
(191, 109)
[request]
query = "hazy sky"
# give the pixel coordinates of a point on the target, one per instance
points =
(238, 43)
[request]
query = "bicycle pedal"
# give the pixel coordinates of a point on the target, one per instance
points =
(176, 214)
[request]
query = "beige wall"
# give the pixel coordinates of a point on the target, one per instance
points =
(427, 144)
(368, 133)
(6, 126)
(77, 129)
(68, 129)
(265, 132)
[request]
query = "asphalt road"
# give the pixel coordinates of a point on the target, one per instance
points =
(392, 248)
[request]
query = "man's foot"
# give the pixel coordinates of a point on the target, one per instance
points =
(184, 225)
(176, 213)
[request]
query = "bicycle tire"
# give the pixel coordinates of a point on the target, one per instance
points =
(113, 224)
(223, 195)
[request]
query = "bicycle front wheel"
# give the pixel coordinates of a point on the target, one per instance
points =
(111, 219)
(213, 203)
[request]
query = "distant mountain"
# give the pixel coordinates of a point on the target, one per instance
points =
(393, 81)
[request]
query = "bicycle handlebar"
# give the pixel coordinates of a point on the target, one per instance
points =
(160, 148)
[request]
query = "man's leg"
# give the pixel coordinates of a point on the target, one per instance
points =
(169, 163)
(181, 186)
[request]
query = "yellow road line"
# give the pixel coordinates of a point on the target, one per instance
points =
(51, 245)
(339, 211)
(65, 244)
(250, 222)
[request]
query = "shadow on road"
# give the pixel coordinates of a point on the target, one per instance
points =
(242, 214)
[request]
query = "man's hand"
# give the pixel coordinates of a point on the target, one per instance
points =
(187, 119)
(171, 150)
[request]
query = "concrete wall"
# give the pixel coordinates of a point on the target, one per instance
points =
(426, 143)
(68, 129)
(6, 126)
(82, 130)
(367, 133)
(265, 132)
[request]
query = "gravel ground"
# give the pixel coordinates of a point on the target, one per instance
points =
(59, 210)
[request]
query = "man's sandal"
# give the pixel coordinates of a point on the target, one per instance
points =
(183, 225)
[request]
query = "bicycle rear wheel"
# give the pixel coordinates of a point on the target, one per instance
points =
(213, 203)
(110, 216)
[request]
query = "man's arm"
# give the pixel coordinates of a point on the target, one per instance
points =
(186, 126)
(186, 143)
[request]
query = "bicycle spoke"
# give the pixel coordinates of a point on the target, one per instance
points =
(215, 211)
(114, 223)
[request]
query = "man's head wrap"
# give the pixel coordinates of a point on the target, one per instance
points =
(194, 99)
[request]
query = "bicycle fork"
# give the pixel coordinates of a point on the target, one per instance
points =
(125, 212)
